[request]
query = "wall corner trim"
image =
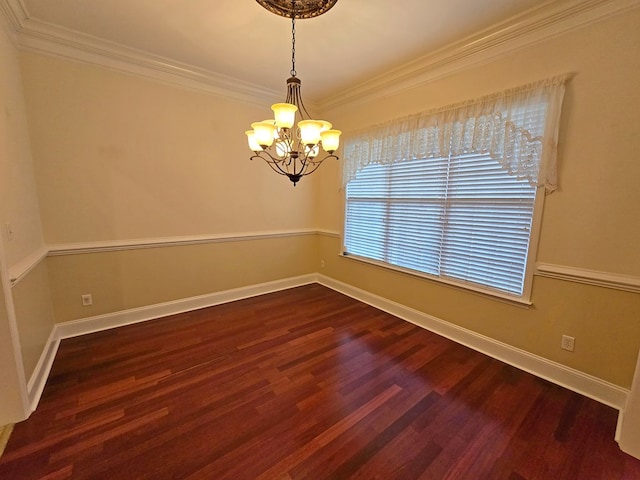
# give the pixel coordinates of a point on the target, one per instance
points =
(21, 269)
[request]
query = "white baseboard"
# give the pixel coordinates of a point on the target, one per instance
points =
(98, 323)
(587, 385)
(619, 426)
(38, 379)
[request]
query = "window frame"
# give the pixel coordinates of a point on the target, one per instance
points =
(475, 288)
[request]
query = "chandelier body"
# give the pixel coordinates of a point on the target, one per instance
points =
(289, 148)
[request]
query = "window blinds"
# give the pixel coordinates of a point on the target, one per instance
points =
(462, 218)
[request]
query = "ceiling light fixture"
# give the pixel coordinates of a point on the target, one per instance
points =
(290, 148)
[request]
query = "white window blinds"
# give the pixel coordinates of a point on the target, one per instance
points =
(453, 196)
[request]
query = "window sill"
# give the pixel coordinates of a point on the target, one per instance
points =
(523, 301)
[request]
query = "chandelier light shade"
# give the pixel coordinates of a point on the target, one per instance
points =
(292, 142)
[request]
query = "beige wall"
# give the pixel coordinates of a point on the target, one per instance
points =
(18, 196)
(19, 207)
(122, 157)
(590, 223)
(13, 392)
(34, 311)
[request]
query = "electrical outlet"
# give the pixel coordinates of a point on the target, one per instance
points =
(87, 300)
(567, 343)
(322, 263)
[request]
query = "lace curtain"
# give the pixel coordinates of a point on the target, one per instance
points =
(516, 127)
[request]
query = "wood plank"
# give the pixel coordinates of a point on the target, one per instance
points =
(303, 384)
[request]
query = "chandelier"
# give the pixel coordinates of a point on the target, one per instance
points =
(290, 148)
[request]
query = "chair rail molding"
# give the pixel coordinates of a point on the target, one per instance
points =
(589, 277)
(21, 269)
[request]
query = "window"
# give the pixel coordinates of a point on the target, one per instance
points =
(452, 193)
(461, 218)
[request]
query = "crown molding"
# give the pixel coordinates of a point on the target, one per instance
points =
(14, 14)
(45, 38)
(531, 27)
(34, 35)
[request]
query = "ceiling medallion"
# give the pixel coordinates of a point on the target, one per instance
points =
(303, 8)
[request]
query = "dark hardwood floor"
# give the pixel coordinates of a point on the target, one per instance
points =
(304, 383)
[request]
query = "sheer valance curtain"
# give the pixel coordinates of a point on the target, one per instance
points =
(517, 127)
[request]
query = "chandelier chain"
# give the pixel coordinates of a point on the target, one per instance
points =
(293, 38)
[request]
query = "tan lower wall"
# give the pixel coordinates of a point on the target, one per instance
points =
(127, 279)
(12, 406)
(601, 319)
(34, 314)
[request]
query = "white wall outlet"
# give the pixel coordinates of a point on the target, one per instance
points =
(321, 263)
(568, 343)
(87, 300)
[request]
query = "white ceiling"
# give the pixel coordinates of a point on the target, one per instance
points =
(353, 42)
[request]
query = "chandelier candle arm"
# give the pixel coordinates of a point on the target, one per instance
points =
(289, 148)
